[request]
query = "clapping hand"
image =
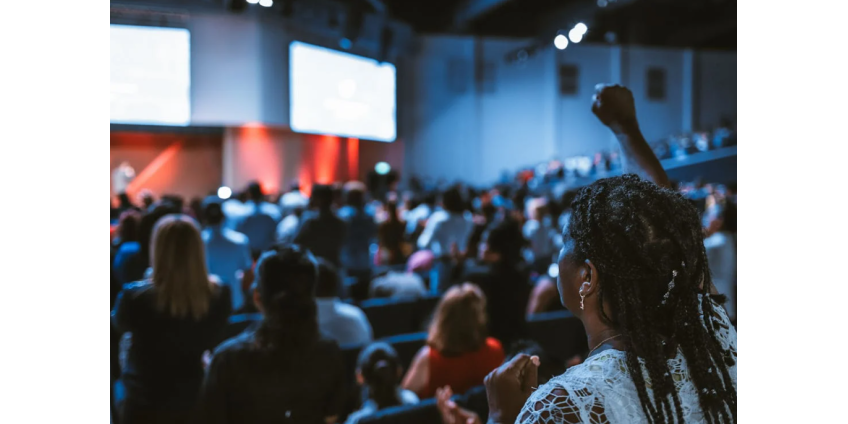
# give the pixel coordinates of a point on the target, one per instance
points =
(451, 412)
(509, 386)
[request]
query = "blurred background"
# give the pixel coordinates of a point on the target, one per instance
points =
(211, 93)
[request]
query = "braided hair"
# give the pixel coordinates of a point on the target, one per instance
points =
(640, 237)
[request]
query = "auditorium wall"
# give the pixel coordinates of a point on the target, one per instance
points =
(473, 129)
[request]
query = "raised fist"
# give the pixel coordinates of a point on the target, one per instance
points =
(613, 105)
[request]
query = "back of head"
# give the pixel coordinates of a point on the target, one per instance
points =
(452, 200)
(254, 191)
(179, 267)
(328, 280)
(380, 368)
(213, 213)
(459, 322)
(322, 197)
(429, 198)
(148, 222)
(124, 200)
(640, 237)
(285, 281)
(505, 238)
(354, 193)
(128, 225)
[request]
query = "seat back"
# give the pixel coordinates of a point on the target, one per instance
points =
(389, 317)
(407, 345)
(424, 412)
(560, 334)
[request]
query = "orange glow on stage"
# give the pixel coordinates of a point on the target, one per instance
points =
(326, 159)
(352, 159)
(153, 168)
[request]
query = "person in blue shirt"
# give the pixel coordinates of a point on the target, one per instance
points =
(361, 234)
(227, 251)
(259, 220)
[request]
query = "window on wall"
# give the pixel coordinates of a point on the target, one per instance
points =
(656, 83)
(568, 78)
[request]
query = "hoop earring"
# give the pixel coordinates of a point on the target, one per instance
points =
(582, 296)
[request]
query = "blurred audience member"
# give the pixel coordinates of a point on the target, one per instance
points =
(544, 297)
(416, 217)
(133, 258)
(448, 227)
(227, 251)
(540, 234)
(458, 352)
(361, 233)
(282, 371)
(379, 371)
(287, 229)
(293, 199)
(342, 322)
(505, 279)
(392, 248)
(321, 231)
(174, 317)
(259, 220)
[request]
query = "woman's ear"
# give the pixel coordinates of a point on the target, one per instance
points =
(589, 275)
(359, 379)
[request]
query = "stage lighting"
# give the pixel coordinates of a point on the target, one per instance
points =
(345, 43)
(575, 35)
(582, 28)
(266, 3)
(253, 1)
(560, 42)
(382, 168)
(224, 192)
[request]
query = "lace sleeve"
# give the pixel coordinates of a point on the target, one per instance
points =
(554, 404)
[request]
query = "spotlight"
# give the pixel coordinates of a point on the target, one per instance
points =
(224, 192)
(382, 168)
(575, 35)
(581, 27)
(266, 3)
(253, 1)
(561, 42)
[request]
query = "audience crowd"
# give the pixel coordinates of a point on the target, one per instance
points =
(296, 272)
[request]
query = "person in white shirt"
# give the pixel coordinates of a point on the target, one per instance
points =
(122, 176)
(541, 235)
(287, 229)
(420, 213)
(339, 321)
(227, 251)
(447, 227)
(292, 200)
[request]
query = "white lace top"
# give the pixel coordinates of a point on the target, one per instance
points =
(600, 390)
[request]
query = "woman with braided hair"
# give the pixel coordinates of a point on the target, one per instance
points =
(633, 268)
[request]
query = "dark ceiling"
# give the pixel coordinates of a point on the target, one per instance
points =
(707, 24)
(674, 23)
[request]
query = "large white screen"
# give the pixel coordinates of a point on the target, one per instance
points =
(150, 75)
(341, 94)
